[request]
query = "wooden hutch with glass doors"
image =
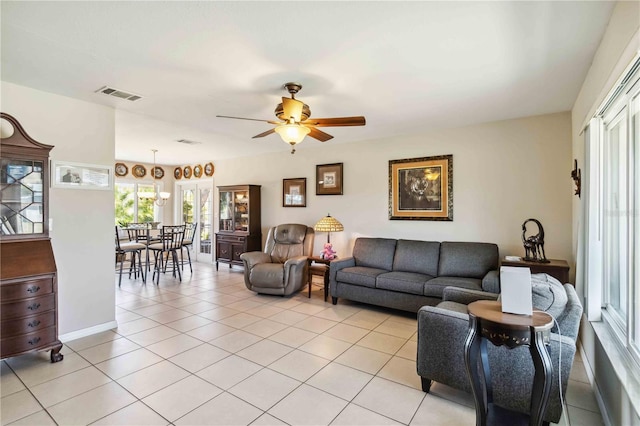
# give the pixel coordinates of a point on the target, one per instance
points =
(28, 274)
(239, 228)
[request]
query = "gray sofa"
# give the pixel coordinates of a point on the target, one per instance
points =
(442, 331)
(408, 274)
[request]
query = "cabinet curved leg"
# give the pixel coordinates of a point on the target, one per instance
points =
(55, 352)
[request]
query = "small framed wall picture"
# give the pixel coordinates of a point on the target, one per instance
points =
(69, 175)
(177, 173)
(187, 172)
(208, 169)
(197, 171)
(139, 171)
(121, 169)
(329, 179)
(294, 192)
(157, 172)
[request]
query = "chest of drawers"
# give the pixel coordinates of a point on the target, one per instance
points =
(28, 299)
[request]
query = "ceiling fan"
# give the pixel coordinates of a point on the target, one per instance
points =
(296, 123)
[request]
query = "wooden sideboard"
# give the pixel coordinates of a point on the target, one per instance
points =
(557, 268)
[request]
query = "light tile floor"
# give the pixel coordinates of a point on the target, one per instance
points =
(208, 351)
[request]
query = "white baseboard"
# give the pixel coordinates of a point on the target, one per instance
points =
(594, 386)
(67, 337)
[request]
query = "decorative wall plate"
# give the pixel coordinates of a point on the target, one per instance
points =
(177, 173)
(208, 169)
(139, 171)
(121, 169)
(157, 172)
(187, 172)
(197, 171)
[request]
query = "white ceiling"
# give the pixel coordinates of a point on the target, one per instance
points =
(406, 66)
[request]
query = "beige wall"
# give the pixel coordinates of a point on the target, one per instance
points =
(503, 173)
(83, 232)
(619, 45)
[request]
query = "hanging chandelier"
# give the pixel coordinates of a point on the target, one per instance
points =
(159, 197)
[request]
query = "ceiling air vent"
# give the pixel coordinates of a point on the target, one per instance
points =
(106, 90)
(188, 142)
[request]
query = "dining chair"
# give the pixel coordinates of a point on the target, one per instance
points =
(171, 238)
(187, 243)
(135, 249)
(138, 232)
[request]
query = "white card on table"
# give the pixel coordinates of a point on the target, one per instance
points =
(515, 283)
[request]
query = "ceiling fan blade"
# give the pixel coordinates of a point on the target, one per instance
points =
(250, 119)
(319, 134)
(335, 122)
(292, 108)
(263, 134)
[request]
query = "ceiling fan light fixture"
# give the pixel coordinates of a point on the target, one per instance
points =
(292, 133)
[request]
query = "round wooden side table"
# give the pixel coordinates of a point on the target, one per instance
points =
(488, 322)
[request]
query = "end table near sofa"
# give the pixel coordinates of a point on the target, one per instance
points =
(488, 322)
(320, 268)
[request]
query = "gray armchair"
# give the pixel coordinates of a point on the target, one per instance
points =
(282, 267)
(442, 331)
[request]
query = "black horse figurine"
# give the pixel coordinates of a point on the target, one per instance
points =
(534, 245)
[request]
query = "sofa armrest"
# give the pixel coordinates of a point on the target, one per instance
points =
(338, 264)
(491, 282)
(253, 258)
(465, 295)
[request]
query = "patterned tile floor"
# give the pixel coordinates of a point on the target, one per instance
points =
(208, 351)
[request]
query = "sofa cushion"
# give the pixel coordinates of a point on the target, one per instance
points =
(417, 256)
(472, 260)
(404, 282)
(548, 294)
(435, 287)
(359, 275)
(374, 252)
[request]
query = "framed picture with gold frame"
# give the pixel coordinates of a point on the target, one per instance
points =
(294, 192)
(177, 173)
(421, 188)
(197, 171)
(208, 169)
(187, 172)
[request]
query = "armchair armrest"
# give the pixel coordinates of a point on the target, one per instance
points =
(253, 258)
(491, 282)
(295, 273)
(465, 295)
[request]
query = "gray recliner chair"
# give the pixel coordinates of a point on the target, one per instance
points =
(442, 331)
(282, 268)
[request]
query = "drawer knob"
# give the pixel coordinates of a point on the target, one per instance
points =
(33, 289)
(34, 323)
(34, 341)
(33, 307)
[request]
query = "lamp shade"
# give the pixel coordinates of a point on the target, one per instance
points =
(328, 224)
(292, 133)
